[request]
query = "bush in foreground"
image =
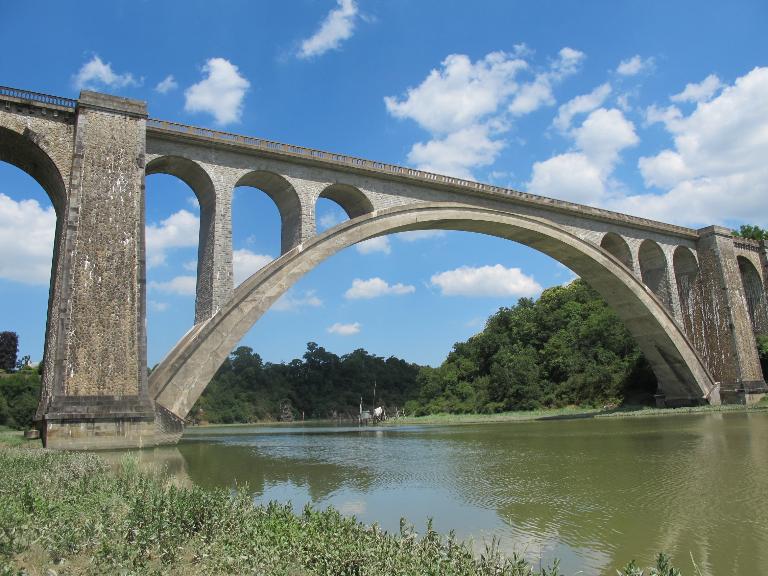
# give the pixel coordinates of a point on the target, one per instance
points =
(76, 515)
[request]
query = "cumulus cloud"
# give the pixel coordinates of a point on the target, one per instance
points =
(374, 288)
(497, 281)
(245, 263)
(467, 106)
(458, 152)
(378, 244)
(96, 74)
(701, 92)
(291, 302)
(580, 105)
(538, 92)
(167, 84)
(344, 329)
(633, 66)
(26, 240)
(179, 286)
(179, 230)
(718, 157)
(220, 93)
(584, 175)
(460, 93)
(338, 26)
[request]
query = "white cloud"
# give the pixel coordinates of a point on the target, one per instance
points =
(374, 288)
(468, 106)
(190, 265)
(26, 240)
(634, 66)
(344, 329)
(168, 83)
(245, 263)
(569, 176)
(497, 281)
(584, 175)
(701, 92)
(461, 93)
(603, 135)
(378, 244)
(457, 153)
(538, 93)
(581, 105)
(667, 115)
(417, 235)
(220, 93)
(180, 286)
(97, 74)
(290, 301)
(337, 27)
(717, 171)
(179, 230)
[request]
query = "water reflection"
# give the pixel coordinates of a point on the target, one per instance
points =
(595, 493)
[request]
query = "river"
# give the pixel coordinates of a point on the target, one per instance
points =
(595, 493)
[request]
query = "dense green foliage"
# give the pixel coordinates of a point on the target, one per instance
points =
(72, 514)
(751, 231)
(9, 349)
(19, 394)
(321, 385)
(565, 348)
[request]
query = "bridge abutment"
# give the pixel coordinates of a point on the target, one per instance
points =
(99, 396)
(729, 342)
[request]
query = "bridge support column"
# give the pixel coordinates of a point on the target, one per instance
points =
(730, 350)
(100, 397)
(214, 267)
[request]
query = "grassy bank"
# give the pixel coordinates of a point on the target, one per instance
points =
(572, 412)
(74, 514)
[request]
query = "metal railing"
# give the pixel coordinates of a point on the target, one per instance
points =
(37, 97)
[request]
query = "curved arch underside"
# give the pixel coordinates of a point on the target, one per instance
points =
(183, 375)
(20, 151)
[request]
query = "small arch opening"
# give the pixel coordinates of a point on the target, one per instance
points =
(618, 247)
(339, 202)
(286, 200)
(654, 272)
(689, 293)
(754, 291)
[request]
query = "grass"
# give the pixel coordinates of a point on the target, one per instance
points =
(571, 412)
(75, 514)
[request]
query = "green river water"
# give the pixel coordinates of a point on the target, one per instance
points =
(595, 493)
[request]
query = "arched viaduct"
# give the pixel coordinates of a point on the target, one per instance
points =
(693, 299)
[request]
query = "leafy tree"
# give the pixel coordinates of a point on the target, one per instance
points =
(319, 385)
(19, 394)
(565, 348)
(751, 231)
(9, 349)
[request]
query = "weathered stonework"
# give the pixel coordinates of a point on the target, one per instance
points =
(693, 300)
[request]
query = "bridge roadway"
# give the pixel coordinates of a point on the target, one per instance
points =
(693, 299)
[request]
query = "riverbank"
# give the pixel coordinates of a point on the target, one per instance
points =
(74, 514)
(569, 413)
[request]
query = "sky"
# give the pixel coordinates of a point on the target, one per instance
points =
(653, 108)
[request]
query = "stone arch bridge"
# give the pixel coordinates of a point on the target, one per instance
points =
(693, 299)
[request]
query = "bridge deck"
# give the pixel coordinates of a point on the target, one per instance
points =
(167, 129)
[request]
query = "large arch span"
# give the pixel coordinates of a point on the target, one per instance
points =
(183, 375)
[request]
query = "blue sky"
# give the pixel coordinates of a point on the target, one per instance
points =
(654, 108)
